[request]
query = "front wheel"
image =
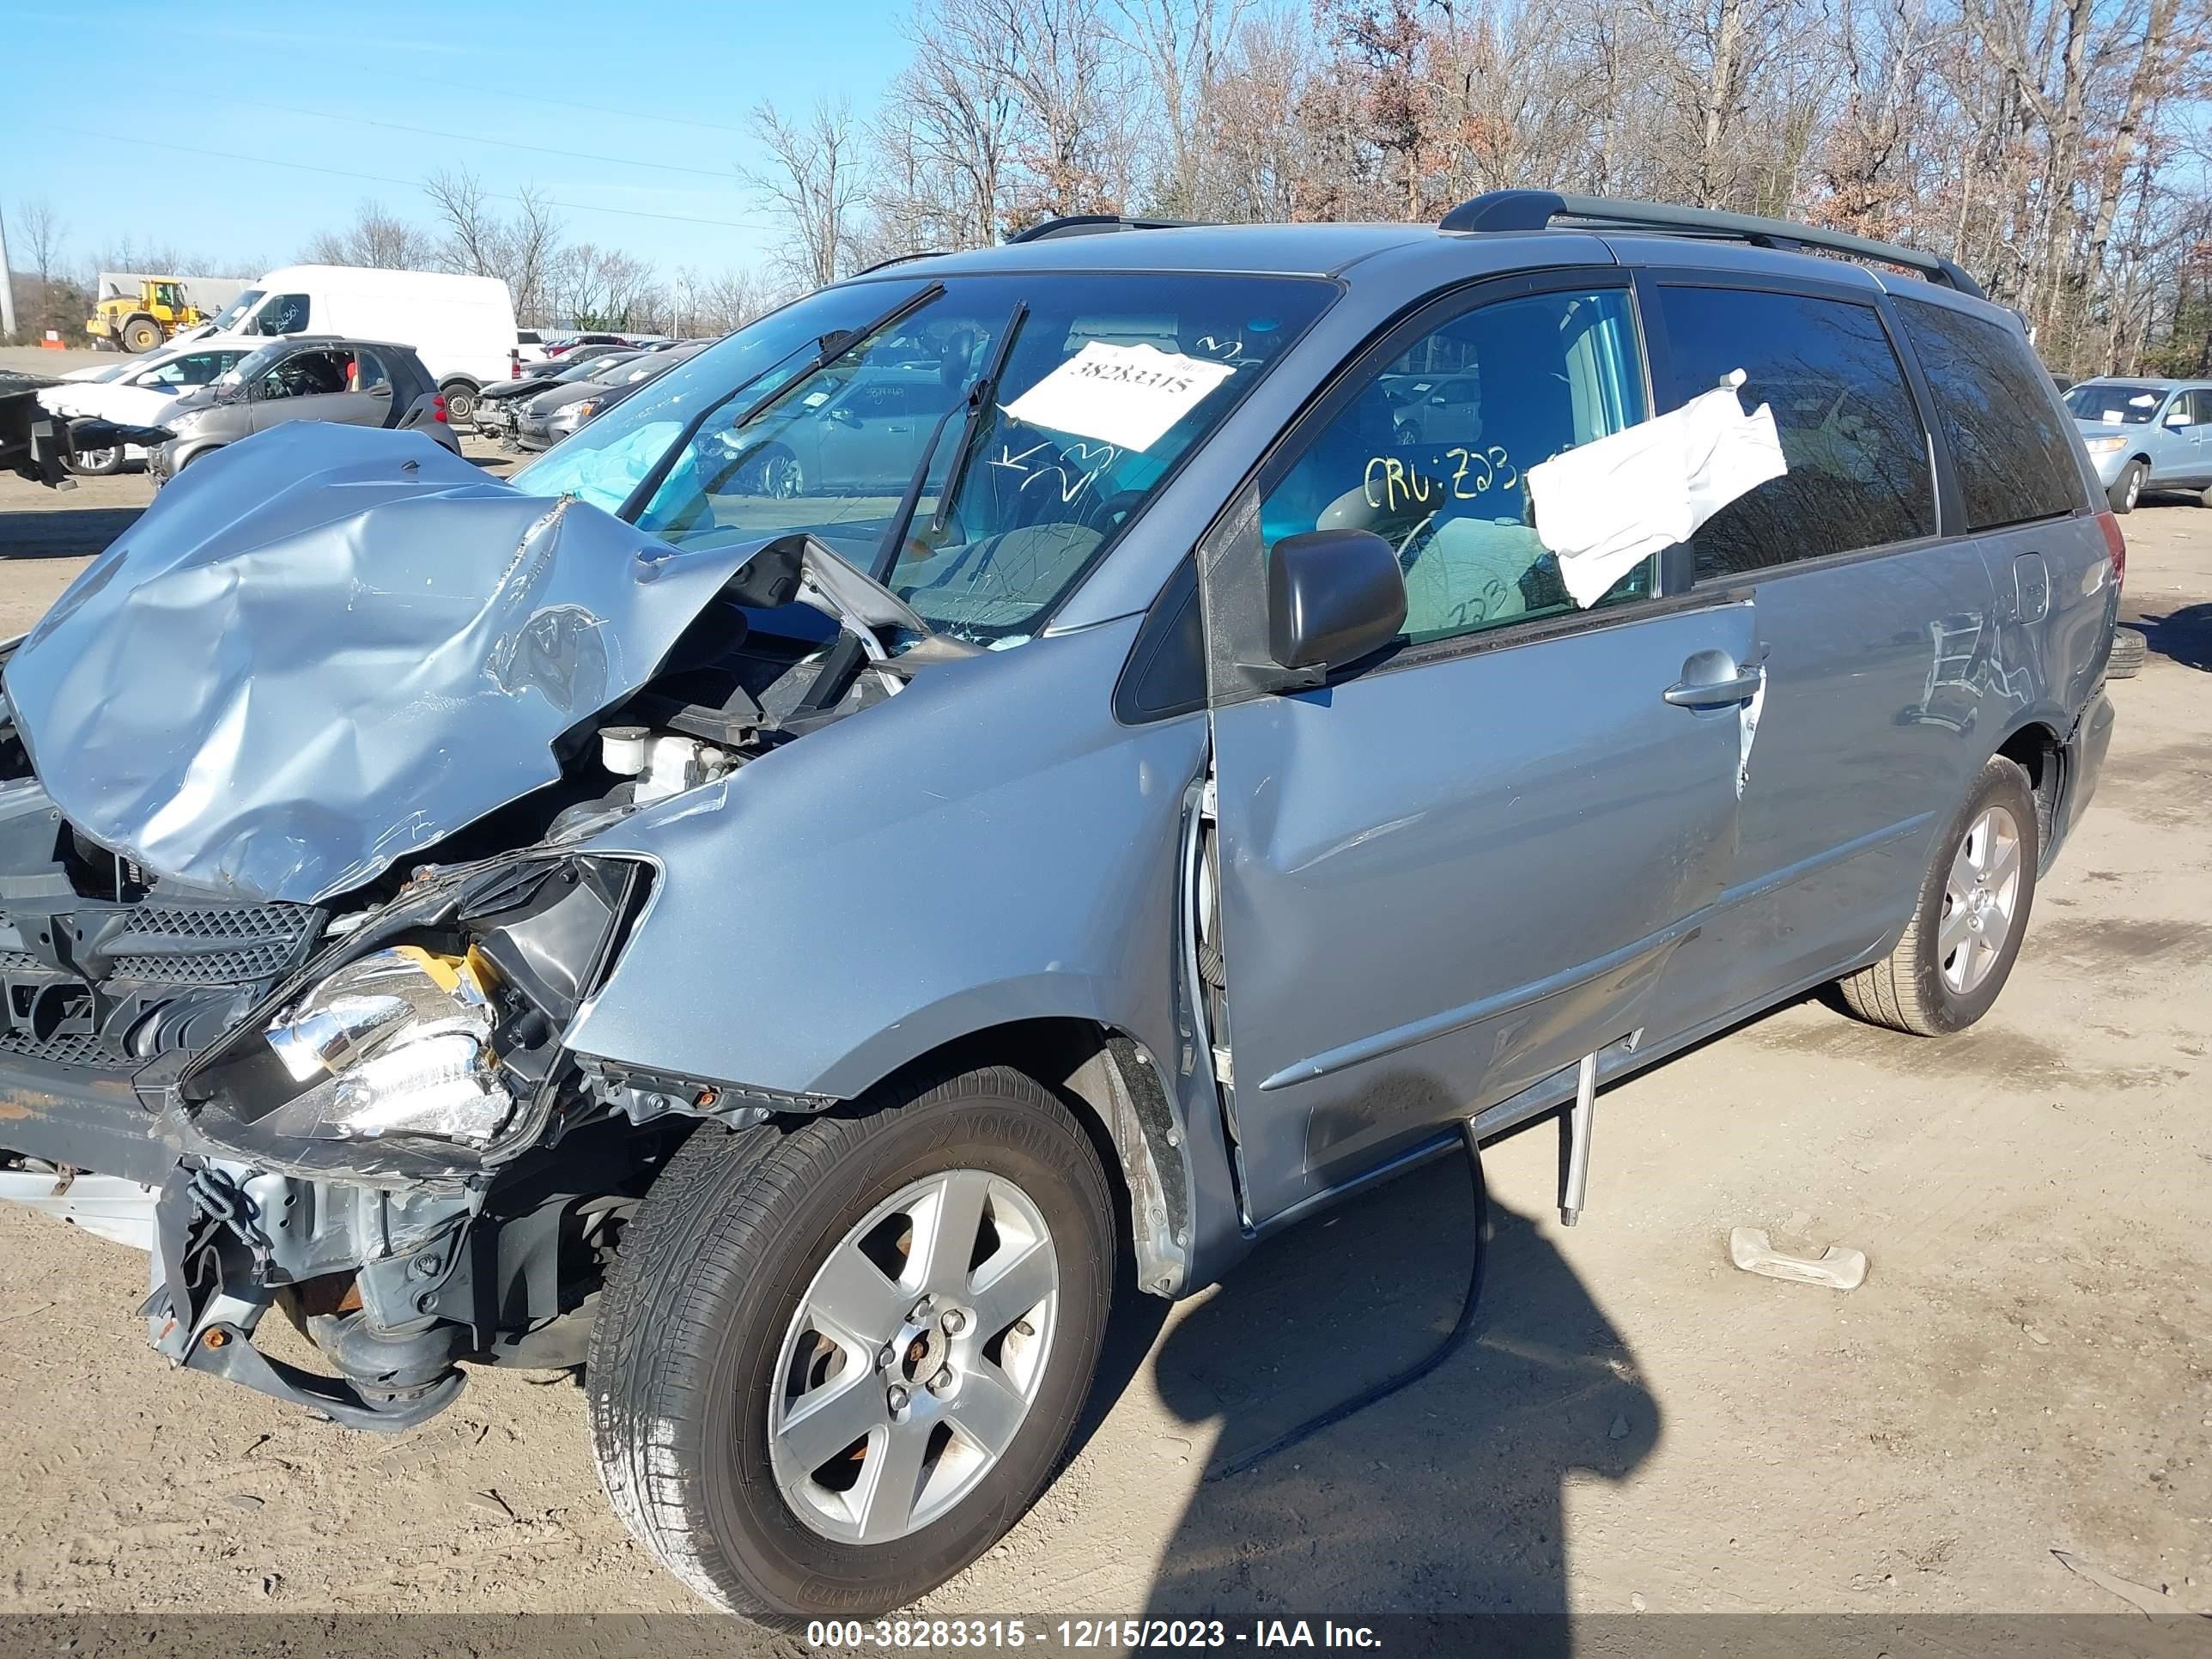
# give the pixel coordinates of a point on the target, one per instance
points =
(141, 334)
(1965, 932)
(2126, 489)
(96, 463)
(839, 1359)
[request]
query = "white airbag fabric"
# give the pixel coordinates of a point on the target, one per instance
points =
(1606, 505)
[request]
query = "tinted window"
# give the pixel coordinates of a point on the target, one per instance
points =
(1433, 450)
(2200, 407)
(1858, 456)
(2014, 461)
(285, 314)
(307, 374)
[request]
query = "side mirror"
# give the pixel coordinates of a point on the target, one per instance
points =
(2177, 418)
(1333, 596)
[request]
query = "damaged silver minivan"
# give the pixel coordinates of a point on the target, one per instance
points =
(1021, 771)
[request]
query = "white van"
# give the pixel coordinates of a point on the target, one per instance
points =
(461, 327)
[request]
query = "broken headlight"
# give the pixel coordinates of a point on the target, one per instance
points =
(433, 1030)
(398, 1042)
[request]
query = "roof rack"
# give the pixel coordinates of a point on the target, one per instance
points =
(1091, 224)
(1533, 209)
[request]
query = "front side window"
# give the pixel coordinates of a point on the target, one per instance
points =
(1433, 450)
(193, 369)
(285, 314)
(1857, 455)
(307, 374)
(1105, 381)
(2016, 462)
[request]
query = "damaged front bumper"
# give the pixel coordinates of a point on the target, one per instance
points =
(397, 1251)
(371, 1274)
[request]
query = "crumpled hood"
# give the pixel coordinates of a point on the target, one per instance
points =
(326, 646)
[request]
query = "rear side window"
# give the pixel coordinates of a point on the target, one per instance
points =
(2015, 462)
(1857, 454)
(365, 372)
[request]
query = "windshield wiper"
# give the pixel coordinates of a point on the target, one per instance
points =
(982, 396)
(830, 349)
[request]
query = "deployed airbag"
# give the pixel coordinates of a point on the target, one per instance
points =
(324, 648)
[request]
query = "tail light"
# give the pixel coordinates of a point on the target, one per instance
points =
(438, 406)
(2116, 546)
(513, 365)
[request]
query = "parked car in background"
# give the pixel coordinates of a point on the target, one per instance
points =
(529, 348)
(461, 327)
(556, 412)
(2145, 435)
(372, 383)
(796, 949)
(498, 408)
(561, 345)
(140, 391)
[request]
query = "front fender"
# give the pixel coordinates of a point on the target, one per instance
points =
(990, 845)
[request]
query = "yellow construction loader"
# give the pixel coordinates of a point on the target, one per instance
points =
(141, 321)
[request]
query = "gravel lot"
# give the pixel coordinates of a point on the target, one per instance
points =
(2028, 1367)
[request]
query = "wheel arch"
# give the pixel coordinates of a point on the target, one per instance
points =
(1125, 1104)
(2040, 750)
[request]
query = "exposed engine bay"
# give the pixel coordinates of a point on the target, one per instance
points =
(354, 1103)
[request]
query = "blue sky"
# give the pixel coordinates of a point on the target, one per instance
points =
(89, 92)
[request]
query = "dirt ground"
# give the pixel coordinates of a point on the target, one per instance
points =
(2028, 1367)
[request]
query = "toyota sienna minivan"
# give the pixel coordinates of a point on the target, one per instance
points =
(787, 933)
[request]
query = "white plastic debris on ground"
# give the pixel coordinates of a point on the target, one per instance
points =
(1606, 505)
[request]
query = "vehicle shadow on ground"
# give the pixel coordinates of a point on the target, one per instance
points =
(64, 532)
(2184, 635)
(1446, 1498)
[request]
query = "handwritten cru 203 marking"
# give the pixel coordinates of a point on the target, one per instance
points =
(1476, 472)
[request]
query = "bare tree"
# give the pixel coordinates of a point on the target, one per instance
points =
(41, 235)
(519, 246)
(812, 180)
(377, 237)
(717, 303)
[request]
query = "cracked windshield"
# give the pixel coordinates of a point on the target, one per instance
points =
(973, 444)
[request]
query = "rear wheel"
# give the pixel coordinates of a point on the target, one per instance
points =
(1965, 932)
(141, 334)
(2127, 490)
(837, 1361)
(461, 403)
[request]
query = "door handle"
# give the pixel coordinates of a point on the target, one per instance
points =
(1711, 678)
(1683, 693)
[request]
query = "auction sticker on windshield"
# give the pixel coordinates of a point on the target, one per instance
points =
(1127, 395)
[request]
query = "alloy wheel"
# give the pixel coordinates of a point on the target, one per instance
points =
(914, 1357)
(1981, 895)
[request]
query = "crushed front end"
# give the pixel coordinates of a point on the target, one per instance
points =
(362, 1118)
